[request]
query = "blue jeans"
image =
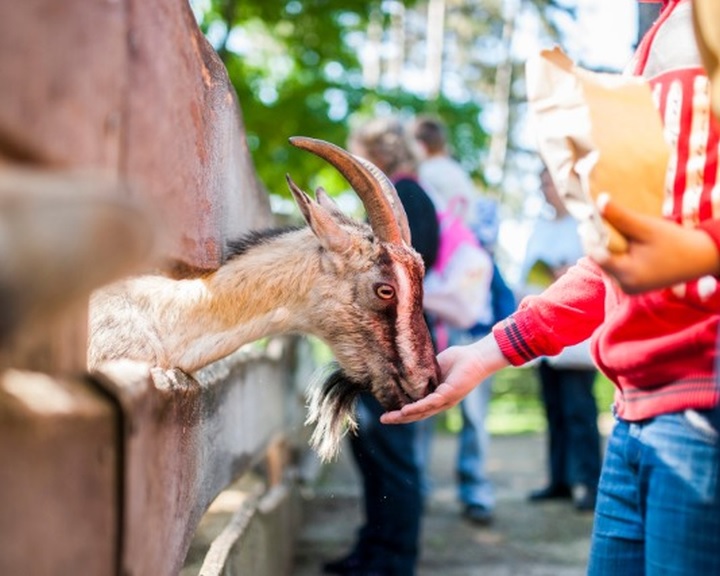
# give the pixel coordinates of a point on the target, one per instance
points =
(573, 435)
(385, 455)
(658, 507)
(474, 486)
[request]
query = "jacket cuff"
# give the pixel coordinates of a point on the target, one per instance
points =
(511, 344)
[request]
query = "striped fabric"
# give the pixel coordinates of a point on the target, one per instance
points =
(659, 348)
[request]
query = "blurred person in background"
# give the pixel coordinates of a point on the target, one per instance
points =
(448, 183)
(566, 380)
(386, 457)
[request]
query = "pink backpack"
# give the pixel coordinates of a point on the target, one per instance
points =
(457, 287)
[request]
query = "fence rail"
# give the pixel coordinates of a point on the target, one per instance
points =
(112, 474)
(117, 121)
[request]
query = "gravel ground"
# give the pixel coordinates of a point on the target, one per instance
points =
(549, 539)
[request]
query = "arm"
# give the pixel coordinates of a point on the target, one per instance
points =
(660, 253)
(566, 313)
(463, 368)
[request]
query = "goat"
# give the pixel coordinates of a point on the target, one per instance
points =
(357, 286)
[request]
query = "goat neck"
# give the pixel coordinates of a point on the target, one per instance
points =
(190, 323)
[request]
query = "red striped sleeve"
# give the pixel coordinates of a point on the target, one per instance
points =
(566, 313)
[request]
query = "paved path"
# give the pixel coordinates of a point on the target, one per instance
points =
(525, 540)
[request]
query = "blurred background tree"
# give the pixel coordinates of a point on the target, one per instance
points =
(316, 67)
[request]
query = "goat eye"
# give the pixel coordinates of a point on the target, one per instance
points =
(384, 291)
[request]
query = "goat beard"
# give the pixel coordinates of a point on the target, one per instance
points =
(331, 408)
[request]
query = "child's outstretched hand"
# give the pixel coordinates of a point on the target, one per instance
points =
(660, 252)
(462, 368)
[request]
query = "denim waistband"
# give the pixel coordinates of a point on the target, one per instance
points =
(712, 415)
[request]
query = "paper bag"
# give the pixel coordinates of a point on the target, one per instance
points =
(597, 133)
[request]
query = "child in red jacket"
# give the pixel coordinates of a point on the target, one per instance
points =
(658, 507)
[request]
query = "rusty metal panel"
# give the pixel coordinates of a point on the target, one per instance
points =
(63, 79)
(59, 474)
(132, 87)
(186, 439)
(184, 125)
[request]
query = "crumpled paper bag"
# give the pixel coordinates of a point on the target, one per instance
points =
(597, 133)
(706, 21)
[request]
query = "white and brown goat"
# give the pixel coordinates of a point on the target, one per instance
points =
(357, 287)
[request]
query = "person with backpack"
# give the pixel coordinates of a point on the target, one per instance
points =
(386, 457)
(449, 184)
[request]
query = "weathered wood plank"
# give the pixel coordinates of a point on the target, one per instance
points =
(63, 79)
(61, 230)
(115, 482)
(193, 162)
(186, 440)
(59, 477)
(133, 87)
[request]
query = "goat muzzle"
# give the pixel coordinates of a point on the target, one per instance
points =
(431, 386)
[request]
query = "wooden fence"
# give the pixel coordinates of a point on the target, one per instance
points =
(117, 122)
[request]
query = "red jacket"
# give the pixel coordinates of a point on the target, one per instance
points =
(660, 348)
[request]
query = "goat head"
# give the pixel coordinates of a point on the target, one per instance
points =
(377, 331)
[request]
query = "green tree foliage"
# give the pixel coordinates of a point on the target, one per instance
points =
(296, 68)
(292, 70)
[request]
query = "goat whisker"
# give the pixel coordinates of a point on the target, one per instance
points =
(331, 406)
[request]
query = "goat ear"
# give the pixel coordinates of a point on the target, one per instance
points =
(320, 220)
(327, 202)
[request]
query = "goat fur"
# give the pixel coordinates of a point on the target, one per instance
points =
(322, 280)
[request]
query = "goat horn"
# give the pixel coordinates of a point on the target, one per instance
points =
(385, 211)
